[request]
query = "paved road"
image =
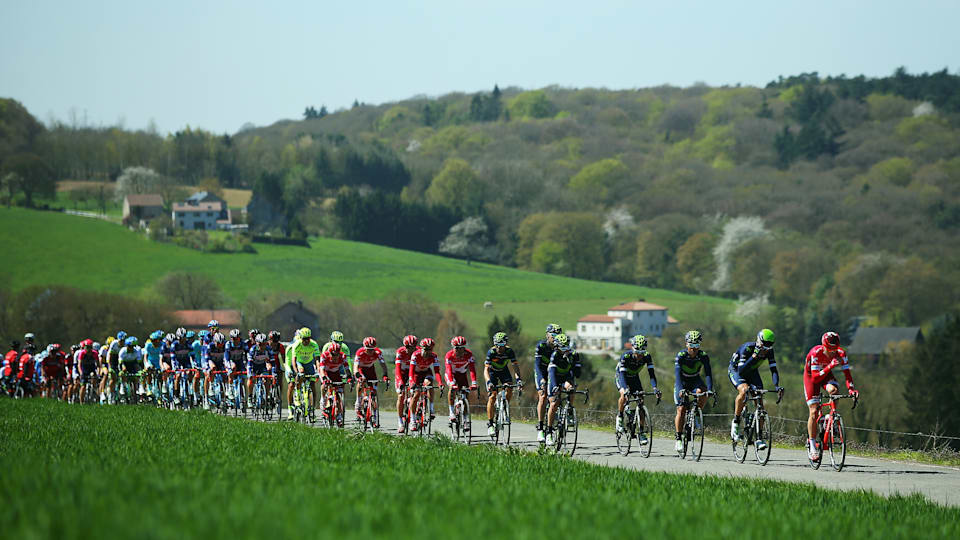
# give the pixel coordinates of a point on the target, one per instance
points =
(939, 484)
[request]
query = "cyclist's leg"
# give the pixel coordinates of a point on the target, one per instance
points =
(541, 382)
(552, 394)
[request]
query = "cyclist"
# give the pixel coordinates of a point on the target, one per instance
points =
(364, 369)
(10, 366)
(496, 370)
(628, 378)
(424, 371)
(564, 368)
(402, 374)
(236, 354)
(818, 373)
(131, 360)
(71, 373)
(87, 362)
(457, 362)
(214, 359)
(179, 358)
(153, 350)
(26, 368)
(259, 359)
(213, 327)
(53, 369)
(743, 374)
(541, 361)
(686, 370)
(30, 339)
(112, 367)
(303, 357)
(334, 367)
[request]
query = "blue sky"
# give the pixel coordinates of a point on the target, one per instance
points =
(220, 64)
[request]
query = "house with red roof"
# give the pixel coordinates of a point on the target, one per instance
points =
(623, 321)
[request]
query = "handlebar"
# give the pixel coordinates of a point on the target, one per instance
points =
(834, 397)
(585, 393)
(636, 396)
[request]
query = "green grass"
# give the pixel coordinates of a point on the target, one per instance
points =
(135, 472)
(125, 262)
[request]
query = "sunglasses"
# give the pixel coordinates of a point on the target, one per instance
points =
(693, 345)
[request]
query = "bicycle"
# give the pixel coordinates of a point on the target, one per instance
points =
(368, 415)
(419, 415)
(186, 395)
(303, 398)
(275, 399)
(462, 425)
(693, 431)
(333, 403)
(128, 386)
(262, 408)
(239, 387)
(830, 433)
(567, 423)
(218, 386)
(756, 427)
(632, 420)
(91, 389)
(153, 388)
(501, 412)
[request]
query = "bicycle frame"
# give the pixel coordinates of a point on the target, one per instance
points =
(691, 434)
(369, 412)
(261, 403)
(335, 412)
(420, 412)
(566, 426)
(758, 423)
(304, 393)
(830, 432)
(501, 412)
(631, 422)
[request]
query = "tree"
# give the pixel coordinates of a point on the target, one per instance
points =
(19, 130)
(30, 175)
(468, 239)
(532, 104)
(793, 272)
(450, 326)
(936, 370)
(910, 294)
(456, 187)
(135, 181)
(597, 179)
(211, 185)
(186, 290)
(565, 243)
(694, 262)
(735, 232)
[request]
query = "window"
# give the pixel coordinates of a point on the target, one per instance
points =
(583, 328)
(209, 214)
(181, 223)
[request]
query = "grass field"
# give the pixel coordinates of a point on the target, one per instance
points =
(331, 268)
(139, 472)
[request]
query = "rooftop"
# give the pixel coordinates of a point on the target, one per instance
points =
(200, 317)
(596, 318)
(145, 199)
(199, 207)
(638, 306)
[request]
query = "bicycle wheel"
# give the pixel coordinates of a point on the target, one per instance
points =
(572, 429)
(625, 435)
(815, 464)
(561, 430)
(761, 422)
(838, 444)
(687, 434)
(741, 443)
(505, 430)
(457, 423)
(643, 414)
(698, 433)
(423, 412)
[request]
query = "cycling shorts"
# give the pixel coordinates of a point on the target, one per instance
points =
(459, 379)
(811, 390)
(132, 367)
(752, 378)
(628, 383)
(256, 369)
(540, 374)
(310, 368)
(690, 384)
(370, 372)
(500, 376)
(419, 377)
(555, 380)
(334, 376)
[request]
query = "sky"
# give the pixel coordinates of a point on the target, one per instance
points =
(218, 65)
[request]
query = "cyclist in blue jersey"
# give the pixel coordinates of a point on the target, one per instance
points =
(152, 350)
(236, 355)
(628, 378)
(564, 369)
(744, 374)
(686, 368)
(541, 362)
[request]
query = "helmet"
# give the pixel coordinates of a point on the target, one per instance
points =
(260, 338)
(121, 335)
(765, 338)
(29, 336)
(190, 334)
(554, 328)
(639, 342)
(130, 341)
(458, 342)
(235, 334)
(410, 341)
(96, 346)
(693, 337)
(274, 335)
(110, 339)
(427, 343)
(218, 338)
(50, 348)
(181, 332)
(169, 337)
(337, 336)
(304, 333)
(74, 348)
(500, 338)
(369, 342)
(831, 341)
(213, 323)
(156, 335)
(87, 343)
(15, 345)
(253, 332)
(562, 341)
(56, 346)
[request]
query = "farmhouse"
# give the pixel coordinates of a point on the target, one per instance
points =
(290, 317)
(201, 211)
(610, 331)
(872, 343)
(141, 208)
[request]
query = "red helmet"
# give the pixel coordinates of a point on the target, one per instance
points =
(427, 343)
(56, 346)
(369, 342)
(87, 343)
(831, 341)
(458, 341)
(410, 341)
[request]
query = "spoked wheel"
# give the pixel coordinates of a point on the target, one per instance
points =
(698, 433)
(466, 424)
(740, 445)
(764, 433)
(644, 415)
(625, 435)
(815, 463)
(571, 429)
(505, 423)
(838, 444)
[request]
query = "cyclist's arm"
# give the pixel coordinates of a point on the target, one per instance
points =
(576, 365)
(708, 372)
(436, 372)
(383, 364)
(845, 366)
(619, 376)
(773, 370)
(448, 369)
(653, 375)
(676, 370)
(473, 371)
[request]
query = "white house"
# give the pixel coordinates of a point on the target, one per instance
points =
(622, 322)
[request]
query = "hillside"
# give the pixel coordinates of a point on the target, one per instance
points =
(126, 262)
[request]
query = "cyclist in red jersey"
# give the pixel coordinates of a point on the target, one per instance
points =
(25, 369)
(424, 370)
(53, 369)
(333, 365)
(459, 361)
(10, 366)
(402, 374)
(817, 374)
(364, 369)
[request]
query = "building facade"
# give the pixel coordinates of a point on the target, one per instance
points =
(611, 331)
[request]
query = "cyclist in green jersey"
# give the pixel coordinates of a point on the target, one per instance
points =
(303, 357)
(496, 370)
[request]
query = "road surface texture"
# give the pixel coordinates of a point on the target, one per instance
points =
(938, 483)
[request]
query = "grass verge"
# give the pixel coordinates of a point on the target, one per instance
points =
(84, 472)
